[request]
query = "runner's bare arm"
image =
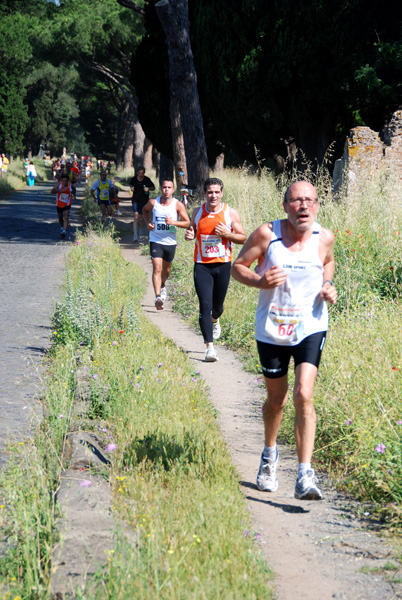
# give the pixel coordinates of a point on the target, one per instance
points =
(191, 229)
(185, 219)
(55, 188)
(255, 249)
(145, 213)
(328, 290)
(238, 235)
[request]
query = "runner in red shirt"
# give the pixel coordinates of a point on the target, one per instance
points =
(64, 191)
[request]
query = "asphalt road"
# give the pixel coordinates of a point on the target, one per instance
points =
(31, 274)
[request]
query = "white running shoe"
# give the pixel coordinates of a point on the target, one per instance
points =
(306, 487)
(158, 303)
(163, 293)
(267, 481)
(118, 213)
(216, 330)
(211, 354)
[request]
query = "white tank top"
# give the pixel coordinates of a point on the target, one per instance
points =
(163, 233)
(289, 313)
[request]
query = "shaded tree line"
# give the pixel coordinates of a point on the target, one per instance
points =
(280, 73)
(95, 75)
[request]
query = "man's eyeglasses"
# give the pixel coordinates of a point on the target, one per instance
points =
(307, 201)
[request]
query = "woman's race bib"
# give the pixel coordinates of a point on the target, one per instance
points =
(282, 322)
(211, 246)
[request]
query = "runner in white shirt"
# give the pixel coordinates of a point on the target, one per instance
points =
(294, 274)
(167, 214)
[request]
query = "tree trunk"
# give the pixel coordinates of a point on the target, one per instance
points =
(179, 155)
(165, 169)
(219, 162)
(173, 15)
(129, 139)
(139, 140)
(148, 148)
(120, 138)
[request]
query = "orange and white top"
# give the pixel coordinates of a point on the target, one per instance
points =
(64, 195)
(209, 247)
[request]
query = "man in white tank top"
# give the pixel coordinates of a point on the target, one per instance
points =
(295, 267)
(165, 212)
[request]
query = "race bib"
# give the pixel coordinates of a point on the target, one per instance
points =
(161, 225)
(212, 247)
(282, 322)
(104, 194)
(65, 198)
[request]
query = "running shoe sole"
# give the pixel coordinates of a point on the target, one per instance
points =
(159, 304)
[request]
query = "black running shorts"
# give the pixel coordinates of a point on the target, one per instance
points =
(166, 252)
(275, 359)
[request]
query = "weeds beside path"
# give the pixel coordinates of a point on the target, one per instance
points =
(318, 550)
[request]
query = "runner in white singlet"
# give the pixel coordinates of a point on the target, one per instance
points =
(295, 267)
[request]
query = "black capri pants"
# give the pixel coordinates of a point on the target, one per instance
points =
(211, 283)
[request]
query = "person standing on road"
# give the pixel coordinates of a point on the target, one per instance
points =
(214, 226)
(4, 164)
(103, 188)
(64, 191)
(31, 174)
(140, 185)
(294, 275)
(166, 212)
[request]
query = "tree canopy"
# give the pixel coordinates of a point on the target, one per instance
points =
(267, 72)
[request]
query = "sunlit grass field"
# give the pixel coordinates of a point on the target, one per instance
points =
(15, 179)
(172, 478)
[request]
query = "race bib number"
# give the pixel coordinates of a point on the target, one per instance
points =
(212, 247)
(104, 194)
(161, 225)
(64, 198)
(282, 322)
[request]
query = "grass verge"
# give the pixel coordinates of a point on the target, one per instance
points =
(171, 477)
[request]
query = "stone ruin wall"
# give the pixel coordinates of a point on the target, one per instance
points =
(366, 151)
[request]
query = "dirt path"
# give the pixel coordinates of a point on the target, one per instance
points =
(318, 550)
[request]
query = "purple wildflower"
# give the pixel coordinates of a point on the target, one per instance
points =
(111, 447)
(380, 448)
(85, 483)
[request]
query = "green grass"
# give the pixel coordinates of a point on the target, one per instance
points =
(172, 478)
(16, 176)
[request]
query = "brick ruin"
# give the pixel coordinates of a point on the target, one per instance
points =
(366, 151)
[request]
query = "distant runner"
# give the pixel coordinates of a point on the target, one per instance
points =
(165, 211)
(140, 185)
(103, 188)
(214, 226)
(64, 191)
(295, 267)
